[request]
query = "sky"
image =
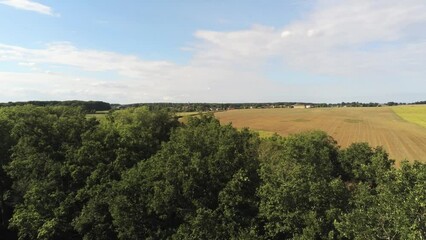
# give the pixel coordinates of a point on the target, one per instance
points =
(135, 51)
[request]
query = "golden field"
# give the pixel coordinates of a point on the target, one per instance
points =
(400, 134)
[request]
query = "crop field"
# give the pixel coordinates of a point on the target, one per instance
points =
(397, 129)
(414, 114)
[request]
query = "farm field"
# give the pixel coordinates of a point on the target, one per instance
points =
(414, 113)
(99, 115)
(378, 126)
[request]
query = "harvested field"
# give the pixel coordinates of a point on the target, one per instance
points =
(377, 126)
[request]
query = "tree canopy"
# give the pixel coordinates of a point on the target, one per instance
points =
(140, 174)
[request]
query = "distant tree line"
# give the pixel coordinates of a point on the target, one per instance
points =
(87, 106)
(420, 102)
(93, 106)
(140, 174)
(205, 107)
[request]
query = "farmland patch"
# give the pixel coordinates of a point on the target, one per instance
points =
(379, 126)
(415, 114)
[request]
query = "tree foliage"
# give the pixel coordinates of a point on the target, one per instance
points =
(87, 106)
(301, 192)
(203, 178)
(394, 209)
(139, 174)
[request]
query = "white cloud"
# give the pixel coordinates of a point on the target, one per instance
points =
(137, 80)
(29, 6)
(352, 38)
(27, 64)
(311, 33)
(360, 38)
(64, 53)
(285, 34)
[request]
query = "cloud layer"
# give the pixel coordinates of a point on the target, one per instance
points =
(29, 6)
(346, 38)
(136, 80)
(354, 50)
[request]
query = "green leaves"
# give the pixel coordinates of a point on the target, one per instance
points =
(139, 174)
(37, 166)
(189, 184)
(63, 166)
(362, 163)
(125, 138)
(301, 194)
(394, 209)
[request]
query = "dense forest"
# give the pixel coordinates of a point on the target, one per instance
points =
(88, 106)
(141, 174)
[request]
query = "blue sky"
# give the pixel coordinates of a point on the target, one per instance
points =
(213, 51)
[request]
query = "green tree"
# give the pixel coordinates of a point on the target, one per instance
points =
(139, 174)
(361, 163)
(301, 192)
(393, 209)
(6, 195)
(37, 167)
(125, 138)
(201, 184)
(63, 166)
